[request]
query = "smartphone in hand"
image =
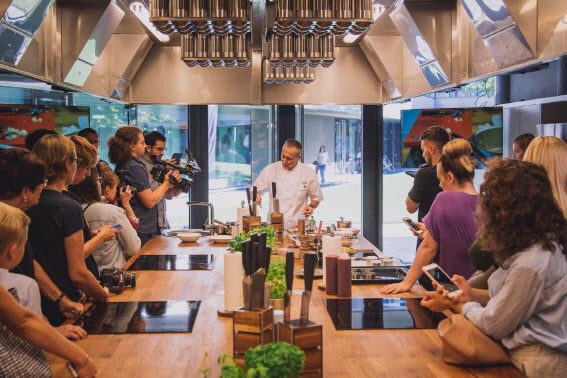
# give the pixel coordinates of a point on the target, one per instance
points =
(410, 223)
(117, 227)
(177, 157)
(435, 273)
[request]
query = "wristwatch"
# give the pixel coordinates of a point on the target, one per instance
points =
(59, 298)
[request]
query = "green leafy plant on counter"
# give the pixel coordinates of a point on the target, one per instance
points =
(236, 242)
(265, 361)
(276, 277)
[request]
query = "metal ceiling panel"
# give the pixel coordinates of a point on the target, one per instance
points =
(85, 41)
(418, 46)
(370, 48)
(499, 32)
(27, 15)
(18, 26)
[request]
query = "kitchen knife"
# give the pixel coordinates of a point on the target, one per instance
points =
(254, 193)
(275, 200)
(308, 271)
(247, 281)
(249, 203)
(289, 285)
(258, 278)
(263, 256)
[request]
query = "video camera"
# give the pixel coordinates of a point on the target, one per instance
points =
(161, 168)
(121, 173)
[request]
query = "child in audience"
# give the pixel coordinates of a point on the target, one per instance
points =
(13, 237)
(112, 253)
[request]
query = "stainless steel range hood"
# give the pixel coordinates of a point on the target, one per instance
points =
(498, 30)
(21, 20)
(86, 31)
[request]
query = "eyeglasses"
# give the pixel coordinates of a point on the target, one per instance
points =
(159, 149)
(78, 160)
(99, 179)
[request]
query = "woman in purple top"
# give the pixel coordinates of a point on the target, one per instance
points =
(451, 225)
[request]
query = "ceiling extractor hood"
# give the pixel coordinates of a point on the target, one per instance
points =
(418, 45)
(498, 31)
(87, 29)
(18, 27)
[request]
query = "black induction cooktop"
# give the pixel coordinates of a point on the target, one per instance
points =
(381, 313)
(173, 262)
(139, 317)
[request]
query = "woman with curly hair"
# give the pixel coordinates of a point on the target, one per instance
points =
(450, 227)
(525, 305)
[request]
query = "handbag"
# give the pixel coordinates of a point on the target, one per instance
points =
(315, 162)
(465, 344)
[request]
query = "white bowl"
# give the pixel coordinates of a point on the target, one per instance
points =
(221, 239)
(189, 237)
(354, 231)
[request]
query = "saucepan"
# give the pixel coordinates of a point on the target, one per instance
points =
(344, 224)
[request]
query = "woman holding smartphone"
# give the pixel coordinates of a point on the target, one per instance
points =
(451, 224)
(56, 229)
(525, 305)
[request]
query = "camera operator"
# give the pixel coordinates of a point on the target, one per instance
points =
(155, 146)
(125, 149)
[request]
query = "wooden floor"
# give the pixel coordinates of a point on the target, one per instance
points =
(369, 353)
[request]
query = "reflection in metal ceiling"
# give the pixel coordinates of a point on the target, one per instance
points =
(413, 47)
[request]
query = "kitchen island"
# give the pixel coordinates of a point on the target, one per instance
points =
(366, 353)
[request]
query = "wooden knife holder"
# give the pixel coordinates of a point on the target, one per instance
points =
(276, 220)
(250, 222)
(309, 338)
(250, 329)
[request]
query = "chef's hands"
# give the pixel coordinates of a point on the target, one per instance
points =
(308, 210)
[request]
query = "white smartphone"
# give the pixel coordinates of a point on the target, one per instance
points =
(437, 274)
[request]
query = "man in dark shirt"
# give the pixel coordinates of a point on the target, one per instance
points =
(426, 185)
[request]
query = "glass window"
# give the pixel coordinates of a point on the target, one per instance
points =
(397, 239)
(332, 146)
(240, 146)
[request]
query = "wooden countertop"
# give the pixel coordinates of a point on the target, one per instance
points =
(365, 353)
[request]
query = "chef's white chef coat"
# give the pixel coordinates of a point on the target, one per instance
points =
(292, 188)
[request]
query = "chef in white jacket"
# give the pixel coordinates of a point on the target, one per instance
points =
(295, 182)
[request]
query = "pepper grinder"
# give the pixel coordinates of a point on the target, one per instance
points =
(344, 282)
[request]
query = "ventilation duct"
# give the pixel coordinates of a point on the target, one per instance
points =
(138, 57)
(498, 31)
(372, 55)
(88, 32)
(18, 27)
(417, 44)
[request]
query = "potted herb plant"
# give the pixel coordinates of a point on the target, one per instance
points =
(276, 278)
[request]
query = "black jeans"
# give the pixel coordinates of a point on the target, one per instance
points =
(144, 238)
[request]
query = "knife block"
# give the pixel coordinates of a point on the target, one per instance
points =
(276, 220)
(250, 222)
(250, 329)
(309, 338)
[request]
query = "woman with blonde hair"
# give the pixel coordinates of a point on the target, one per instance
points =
(56, 230)
(551, 153)
(451, 225)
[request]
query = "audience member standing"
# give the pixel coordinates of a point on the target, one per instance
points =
(525, 305)
(22, 178)
(521, 144)
(451, 225)
(56, 230)
(126, 148)
(551, 153)
(426, 184)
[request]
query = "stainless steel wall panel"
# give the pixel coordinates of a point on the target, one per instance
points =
(27, 15)
(551, 20)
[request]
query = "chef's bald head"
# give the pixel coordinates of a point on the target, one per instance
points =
(292, 143)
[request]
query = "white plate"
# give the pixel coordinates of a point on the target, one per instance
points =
(221, 239)
(355, 231)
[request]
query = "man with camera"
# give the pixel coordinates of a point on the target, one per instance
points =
(155, 146)
(125, 149)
